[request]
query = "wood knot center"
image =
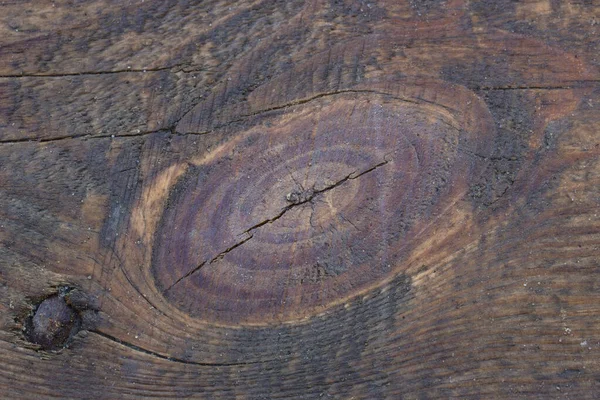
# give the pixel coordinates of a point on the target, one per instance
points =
(300, 196)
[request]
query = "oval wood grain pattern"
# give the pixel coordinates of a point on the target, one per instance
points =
(299, 199)
(267, 227)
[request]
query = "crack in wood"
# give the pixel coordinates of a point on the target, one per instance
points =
(173, 127)
(170, 358)
(214, 259)
(312, 195)
(576, 85)
(84, 136)
(296, 103)
(175, 68)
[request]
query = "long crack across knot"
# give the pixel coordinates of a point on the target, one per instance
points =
(295, 199)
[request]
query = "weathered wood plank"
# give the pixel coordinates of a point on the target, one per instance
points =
(300, 199)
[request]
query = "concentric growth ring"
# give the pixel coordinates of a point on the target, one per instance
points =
(326, 200)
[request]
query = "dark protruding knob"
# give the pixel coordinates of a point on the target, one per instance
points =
(53, 323)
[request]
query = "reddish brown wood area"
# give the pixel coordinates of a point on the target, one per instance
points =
(300, 199)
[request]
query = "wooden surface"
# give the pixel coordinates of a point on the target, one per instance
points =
(287, 199)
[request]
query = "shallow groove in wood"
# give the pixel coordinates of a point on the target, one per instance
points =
(172, 68)
(168, 358)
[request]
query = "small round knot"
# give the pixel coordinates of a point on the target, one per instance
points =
(52, 323)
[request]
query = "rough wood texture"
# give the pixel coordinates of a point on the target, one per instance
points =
(288, 199)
